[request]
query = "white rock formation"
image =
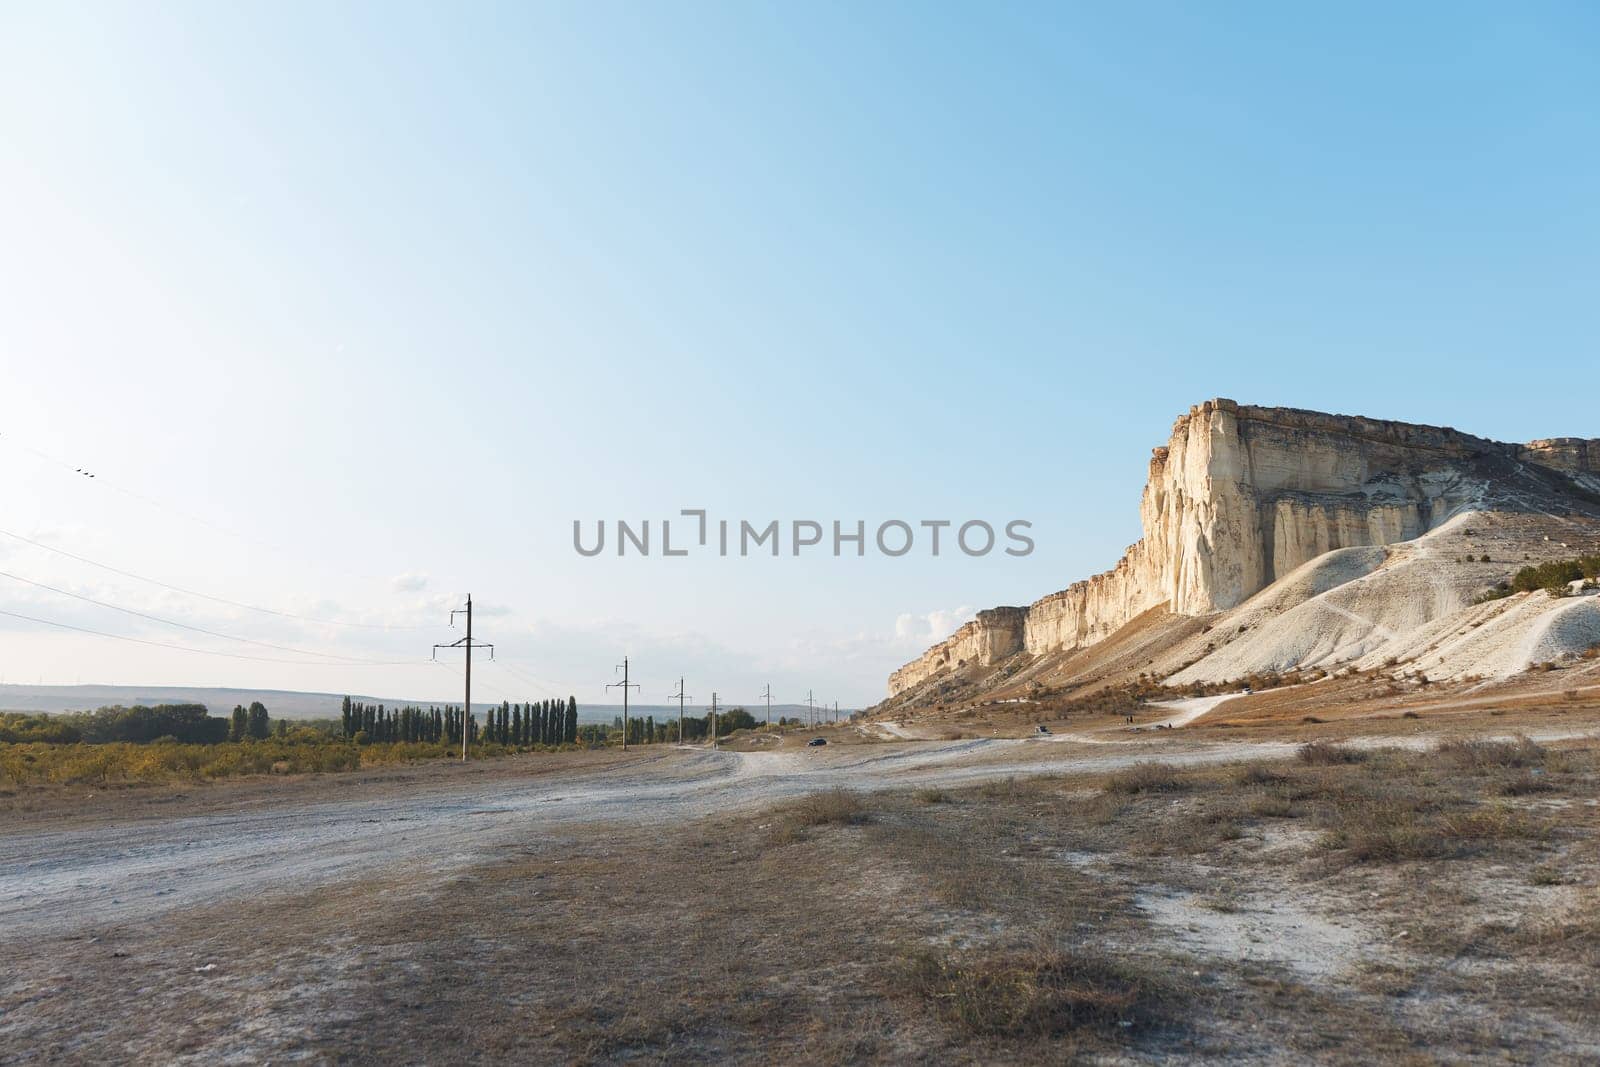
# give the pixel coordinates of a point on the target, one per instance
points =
(1242, 496)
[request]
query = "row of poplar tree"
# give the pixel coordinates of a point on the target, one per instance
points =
(545, 722)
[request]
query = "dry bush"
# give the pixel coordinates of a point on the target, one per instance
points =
(122, 762)
(1478, 754)
(1384, 833)
(1146, 778)
(835, 807)
(1258, 774)
(1494, 822)
(1525, 784)
(1326, 753)
(1043, 993)
(1573, 935)
(932, 796)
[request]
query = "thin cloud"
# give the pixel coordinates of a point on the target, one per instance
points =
(410, 582)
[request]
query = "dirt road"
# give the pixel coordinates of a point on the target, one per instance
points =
(58, 881)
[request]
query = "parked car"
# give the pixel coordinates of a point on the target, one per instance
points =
(1043, 729)
(815, 741)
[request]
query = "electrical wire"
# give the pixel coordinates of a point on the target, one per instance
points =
(543, 686)
(183, 625)
(203, 596)
(201, 651)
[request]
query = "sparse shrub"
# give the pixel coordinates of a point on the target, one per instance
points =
(1545, 874)
(1038, 994)
(1258, 774)
(1145, 778)
(1481, 754)
(933, 796)
(1326, 753)
(837, 807)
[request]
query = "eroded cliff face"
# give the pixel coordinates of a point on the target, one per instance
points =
(1242, 495)
(992, 636)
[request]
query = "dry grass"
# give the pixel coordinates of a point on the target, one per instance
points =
(1001, 924)
(1039, 994)
(1480, 754)
(1323, 753)
(836, 807)
(1146, 778)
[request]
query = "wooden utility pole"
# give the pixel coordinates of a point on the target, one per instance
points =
(811, 711)
(466, 643)
(681, 698)
(624, 685)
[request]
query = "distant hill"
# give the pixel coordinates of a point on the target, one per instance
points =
(286, 703)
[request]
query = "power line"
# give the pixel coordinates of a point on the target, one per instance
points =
(682, 696)
(543, 685)
(202, 596)
(151, 501)
(199, 651)
(182, 625)
(624, 685)
(468, 644)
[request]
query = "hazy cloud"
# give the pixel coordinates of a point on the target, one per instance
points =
(930, 627)
(410, 582)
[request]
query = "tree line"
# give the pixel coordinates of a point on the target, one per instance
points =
(189, 723)
(543, 722)
(647, 731)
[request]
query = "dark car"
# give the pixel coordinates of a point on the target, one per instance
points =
(815, 741)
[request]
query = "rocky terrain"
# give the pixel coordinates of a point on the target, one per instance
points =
(1277, 539)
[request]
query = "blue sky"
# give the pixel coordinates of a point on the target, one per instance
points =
(355, 308)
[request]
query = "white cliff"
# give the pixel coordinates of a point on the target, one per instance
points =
(1241, 496)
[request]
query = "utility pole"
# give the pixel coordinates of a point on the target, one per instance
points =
(768, 695)
(713, 719)
(836, 713)
(466, 643)
(811, 712)
(624, 685)
(681, 698)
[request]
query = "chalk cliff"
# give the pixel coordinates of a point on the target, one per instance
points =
(1239, 497)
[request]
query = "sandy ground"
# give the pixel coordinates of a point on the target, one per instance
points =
(63, 867)
(55, 879)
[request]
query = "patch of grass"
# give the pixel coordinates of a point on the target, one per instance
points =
(1044, 993)
(1325, 753)
(834, 807)
(1525, 784)
(1546, 874)
(932, 796)
(1477, 754)
(1146, 778)
(1574, 934)
(1258, 774)
(1272, 806)
(1385, 833)
(1494, 822)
